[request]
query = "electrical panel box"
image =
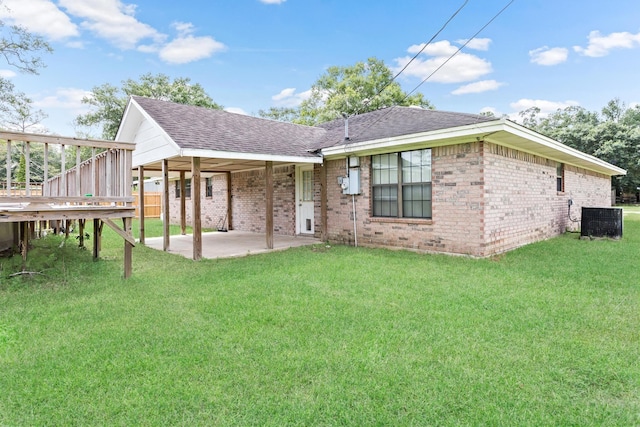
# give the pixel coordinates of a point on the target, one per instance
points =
(350, 184)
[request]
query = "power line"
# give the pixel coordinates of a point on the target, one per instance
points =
(421, 50)
(459, 49)
(441, 65)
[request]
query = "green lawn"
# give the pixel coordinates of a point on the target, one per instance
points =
(544, 335)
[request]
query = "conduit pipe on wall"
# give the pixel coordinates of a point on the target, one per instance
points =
(355, 228)
(353, 202)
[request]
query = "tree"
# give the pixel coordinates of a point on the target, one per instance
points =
(21, 50)
(612, 135)
(351, 90)
(110, 101)
(19, 114)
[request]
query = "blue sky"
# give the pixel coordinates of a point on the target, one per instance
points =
(254, 54)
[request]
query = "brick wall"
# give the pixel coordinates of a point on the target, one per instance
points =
(486, 199)
(213, 209)
(522, 204)
(248, 201)
(456, 226)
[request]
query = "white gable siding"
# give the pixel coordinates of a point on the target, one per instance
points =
(152, 145)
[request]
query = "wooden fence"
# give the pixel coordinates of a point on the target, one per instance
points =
(152, 204)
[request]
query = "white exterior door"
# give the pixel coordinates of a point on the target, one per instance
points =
(304, 200)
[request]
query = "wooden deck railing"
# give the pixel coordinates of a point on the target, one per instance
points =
(105, 177)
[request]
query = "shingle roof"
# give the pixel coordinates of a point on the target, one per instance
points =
(207, 129)
(392, 122)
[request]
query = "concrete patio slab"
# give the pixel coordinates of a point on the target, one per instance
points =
(229, 244)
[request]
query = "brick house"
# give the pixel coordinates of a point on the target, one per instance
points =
(397, 177)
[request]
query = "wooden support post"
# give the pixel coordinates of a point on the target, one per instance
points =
(45, 184)
(269, 206)
(229, 203)
(77, 170)
(128, 249)
(96, 238)
(196, 208)
(165, 205)
(324, 233)
(141, 212)
(94, 174)
(62, 191)
(27, 169)
(9, 161)
(183, 203)
(81, 233)
(24, 241)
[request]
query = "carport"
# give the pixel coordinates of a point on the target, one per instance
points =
(186, 142)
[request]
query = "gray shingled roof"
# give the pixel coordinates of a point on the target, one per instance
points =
(392, 122)
(207, 129)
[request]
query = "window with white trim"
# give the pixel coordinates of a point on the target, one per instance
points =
(187, 190)
(560, 177)
(401, 184)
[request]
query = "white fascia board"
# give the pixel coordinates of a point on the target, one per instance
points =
(214, 154)
(123, 121)
(467, 133)
(395, 143)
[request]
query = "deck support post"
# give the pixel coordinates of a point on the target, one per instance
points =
(196, 208)
(269, 206)
(24, 241)
(81, 233)
(96, 238)
(128, 249)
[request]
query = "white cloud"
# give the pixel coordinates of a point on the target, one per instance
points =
(65, 99)
(289, 98)
(272, 1)
(76, 44)
(600, 45)
(549, 56)
(476, 44)
(112, 20)
(7, 74)
(39, 16)
(546, 107)
(184, 49)
(478, 87)
(236, 110)
(463, 67)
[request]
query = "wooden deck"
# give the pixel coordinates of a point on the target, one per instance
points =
(67, 179)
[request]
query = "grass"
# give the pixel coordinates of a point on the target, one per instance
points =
(544, 335)
(154, 228)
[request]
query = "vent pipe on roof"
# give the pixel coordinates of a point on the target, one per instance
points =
(346, 126)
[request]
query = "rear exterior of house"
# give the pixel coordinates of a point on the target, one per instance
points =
(403, 178)
(485, 199)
